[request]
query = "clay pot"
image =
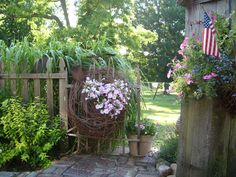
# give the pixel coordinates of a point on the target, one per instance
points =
(145, 144)
(133, 145)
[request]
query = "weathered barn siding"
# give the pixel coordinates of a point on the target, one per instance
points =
(195, 12)
(207, 145)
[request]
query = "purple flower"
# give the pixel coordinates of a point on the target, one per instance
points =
(188, 75)
(180, 95)
(190, 81)
(141, 126)
(207, 77)
(210, 76)
(178, 65)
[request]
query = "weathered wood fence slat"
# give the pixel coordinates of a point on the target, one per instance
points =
(36, 78)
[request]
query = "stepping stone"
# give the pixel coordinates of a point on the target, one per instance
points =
(8, 174)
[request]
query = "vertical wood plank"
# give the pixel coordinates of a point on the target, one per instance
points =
(25, 90)
(36, 88)
(78, 142)
(138, 98)
(86, 145)
(182, 139)
(98, 146)
(110, 146)
(50, 96)
(1, 72)
(123, 147)
(231, 165)
(13, 81)
(63, 96)
(49, 92)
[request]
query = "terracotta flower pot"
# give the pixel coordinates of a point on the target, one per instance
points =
(145, 144)
(133, 145)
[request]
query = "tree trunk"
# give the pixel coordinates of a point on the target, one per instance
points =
(64, 8)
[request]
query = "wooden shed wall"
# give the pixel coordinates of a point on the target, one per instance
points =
(195, 13)
(207, 146)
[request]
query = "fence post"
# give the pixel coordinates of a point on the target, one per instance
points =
(1, 72)
(63, 96)
(50, 94)
(13, 81)
(138, 88)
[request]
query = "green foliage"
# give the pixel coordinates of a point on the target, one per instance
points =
(131, 127)
(112, 20)
(226, 34)
(197, 74)
(167, 140)
(169, 148)
(188, 74)
(167, 19)
(21, 18)
(148, 127)
(27, 132)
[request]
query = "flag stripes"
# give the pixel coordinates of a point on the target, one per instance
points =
(209, 43)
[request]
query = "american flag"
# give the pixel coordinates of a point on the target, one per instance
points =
(209, 44)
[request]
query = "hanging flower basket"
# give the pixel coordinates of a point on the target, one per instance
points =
(97, 102)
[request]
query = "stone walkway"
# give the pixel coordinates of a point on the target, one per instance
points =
(93, 166)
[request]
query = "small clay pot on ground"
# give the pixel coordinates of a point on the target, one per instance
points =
(145, 144)
(133, 145)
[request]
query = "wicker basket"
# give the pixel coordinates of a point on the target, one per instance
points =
(83, 114)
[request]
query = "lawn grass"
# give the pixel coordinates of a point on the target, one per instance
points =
(164, 109)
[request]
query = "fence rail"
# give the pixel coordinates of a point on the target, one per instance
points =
(61, 76)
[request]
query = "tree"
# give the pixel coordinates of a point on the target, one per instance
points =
(165, 18)
(114, 20)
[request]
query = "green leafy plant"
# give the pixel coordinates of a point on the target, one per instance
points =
(169, 148)
(198, 74)
(28, 133)
(131, 127)
(147, 127)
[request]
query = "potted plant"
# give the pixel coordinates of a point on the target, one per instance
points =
(147, 132)
(131, 129)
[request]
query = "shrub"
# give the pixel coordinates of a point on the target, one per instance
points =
(28, 132)
(169, 148)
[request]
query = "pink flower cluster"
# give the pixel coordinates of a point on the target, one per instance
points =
(188, 77)
(184, 45)
(210, 76)
(110, 98)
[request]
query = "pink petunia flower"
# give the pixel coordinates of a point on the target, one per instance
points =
(184, 45)
(214, 74)
(207, 77)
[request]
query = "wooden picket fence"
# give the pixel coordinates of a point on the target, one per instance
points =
(37, 78)
(64, 86)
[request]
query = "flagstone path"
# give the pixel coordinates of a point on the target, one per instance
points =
(93, 166)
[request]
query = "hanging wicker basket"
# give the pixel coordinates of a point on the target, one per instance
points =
(83, 114)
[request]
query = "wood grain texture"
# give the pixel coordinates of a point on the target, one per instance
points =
(1, 71)
(25, 90)
(36, 87)
(63, 96)
(207, 144)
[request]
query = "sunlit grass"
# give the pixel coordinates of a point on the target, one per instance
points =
(164, 109)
